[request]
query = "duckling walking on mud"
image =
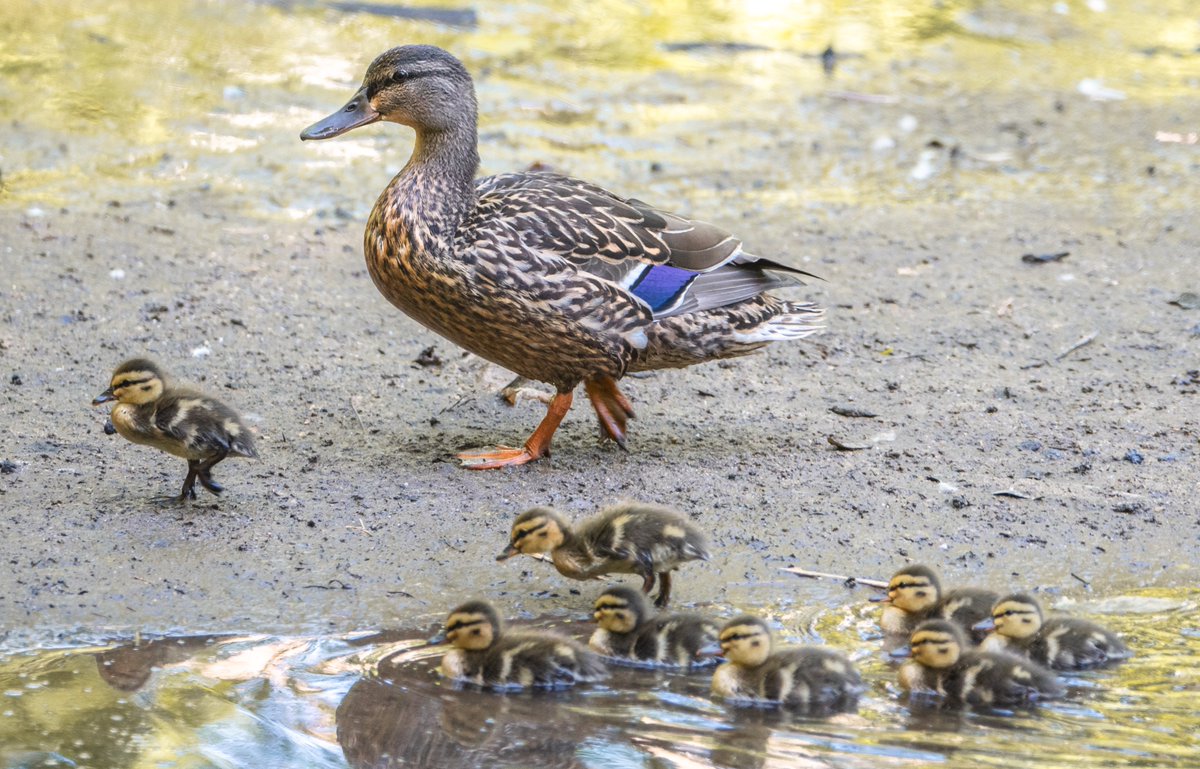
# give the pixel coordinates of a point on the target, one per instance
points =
(550, 277)
(176, 420)
(806, 678)
(626, 539)
(485, 655)
(1061, 643)
(630, 632)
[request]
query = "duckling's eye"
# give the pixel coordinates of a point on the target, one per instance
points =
(755, 643)
(476, 631)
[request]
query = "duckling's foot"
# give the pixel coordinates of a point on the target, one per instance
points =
(189, 483)
(664, 590)
(208, 483)
(613, 409)
(536, 447)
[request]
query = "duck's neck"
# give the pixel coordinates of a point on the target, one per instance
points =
(435, 190)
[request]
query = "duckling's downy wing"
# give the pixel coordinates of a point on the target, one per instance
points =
(203, 423)
(672, 265)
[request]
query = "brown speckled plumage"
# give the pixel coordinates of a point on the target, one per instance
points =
(553, 278)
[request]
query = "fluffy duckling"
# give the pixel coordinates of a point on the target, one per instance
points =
(630, 631)
(1061, 643)
(626, 539)
(804, 678)
(942, 663)
(914, 594)
(177, 420)
(487, 656)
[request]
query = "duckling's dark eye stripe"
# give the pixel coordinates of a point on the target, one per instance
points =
(131, 382)
(739, 636)
(520, 535)
(462, 623)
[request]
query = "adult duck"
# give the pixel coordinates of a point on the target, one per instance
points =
(553, 278)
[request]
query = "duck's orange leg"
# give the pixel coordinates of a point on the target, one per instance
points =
(612, 408)
(536, 447)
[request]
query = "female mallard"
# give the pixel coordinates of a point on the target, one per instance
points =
(1061, 643)
(177, 420)
(553, 278)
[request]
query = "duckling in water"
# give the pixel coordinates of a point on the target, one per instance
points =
(942, 663)
(914, 594)
(811, 678)
(626, 539)
(1061, 643)
(553, 278)
(176, 420)
(487, 656)
(630, 631)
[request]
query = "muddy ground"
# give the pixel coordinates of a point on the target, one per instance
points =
(1000, 449)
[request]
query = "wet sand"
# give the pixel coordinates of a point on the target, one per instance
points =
(1036, 424)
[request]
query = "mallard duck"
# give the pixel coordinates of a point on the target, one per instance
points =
(942, 663)
(177, 420)
(630, 631)
(550, 277)
(487, 656)
(915, 594)
(802, 677)
(1061, 643)
(626, 539)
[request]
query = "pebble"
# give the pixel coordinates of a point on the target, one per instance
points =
(1134, 456)
(117, 274)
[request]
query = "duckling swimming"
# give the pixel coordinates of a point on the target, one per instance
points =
(487, 656)
(914, 594)
(630, 631)
(626, 539)
(1061, 643)
(176, 420)
(942, 663)
(553, 278)
(810, 678)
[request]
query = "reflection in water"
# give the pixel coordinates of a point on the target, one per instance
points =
(375, 701)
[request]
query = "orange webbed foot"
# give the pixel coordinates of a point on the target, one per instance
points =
(613, 409)
(497, 456)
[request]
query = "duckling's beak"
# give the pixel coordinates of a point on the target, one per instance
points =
(440, 638)
(880, 599)
(357, 112)
(903, 652)
(509, 552)
(985, 624)
(712, 649)
(104, 397)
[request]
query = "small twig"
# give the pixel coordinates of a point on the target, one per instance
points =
(361, 426)
(841, 445)
(360, 527)
(849, 581)
(1084, 342)
(1081, 579)
(333, 584)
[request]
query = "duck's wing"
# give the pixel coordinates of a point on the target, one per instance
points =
(199, 421)
(670, 264)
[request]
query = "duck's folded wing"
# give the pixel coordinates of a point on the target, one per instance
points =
(670, 264)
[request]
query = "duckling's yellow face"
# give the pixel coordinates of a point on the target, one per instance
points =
(935, 648)
(134, 386)
(614, 614)
(473, 631)
(912, 592)
(535, 534)
(747, 644)
(1016, 619)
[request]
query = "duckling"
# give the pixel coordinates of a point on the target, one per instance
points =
(557, 280)
(487, 656)
(626, 539)
(803, 677)
(629, 631)
(942, 663)
(915, 594)
(177, 420)
(1060, 643)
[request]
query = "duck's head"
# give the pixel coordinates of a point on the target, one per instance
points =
(420, 86)
(1014, 616)
(915, 589)
(135, 381)
(473, 626)
(620, 609)
(937, 643)
(745, 641)
(539, 530)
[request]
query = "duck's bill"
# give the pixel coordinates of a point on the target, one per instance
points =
(440, 638)
(984, 624)
(508, 552)
(710, 650)
(104, 397)
(879, 599)
(357, 112)
(901, 653)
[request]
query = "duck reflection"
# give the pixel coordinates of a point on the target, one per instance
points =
(127, 668)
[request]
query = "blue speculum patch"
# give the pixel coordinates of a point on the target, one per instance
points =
(661, 286)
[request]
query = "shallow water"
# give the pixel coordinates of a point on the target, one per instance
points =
(375, 701)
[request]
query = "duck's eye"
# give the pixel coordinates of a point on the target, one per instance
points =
(399, 76)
